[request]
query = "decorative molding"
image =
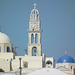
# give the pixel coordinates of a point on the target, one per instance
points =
(34, 31)
(34, 44)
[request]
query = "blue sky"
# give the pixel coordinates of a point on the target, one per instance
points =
(57, 21)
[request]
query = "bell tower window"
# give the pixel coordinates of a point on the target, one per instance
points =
(34, 12)
(34, 51)
(0, 49)
(32, 38)
(34, 17)
(36, 38)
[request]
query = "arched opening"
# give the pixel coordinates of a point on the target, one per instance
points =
(0, 49)
(34, 51)
(71, 67)
(34, 17)
(32, 38)
(8, 49)
(36, 38)
(49, 62)
(34, 12)
(37, 17)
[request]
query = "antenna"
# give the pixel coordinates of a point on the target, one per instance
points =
(65, 52)
(0, 28)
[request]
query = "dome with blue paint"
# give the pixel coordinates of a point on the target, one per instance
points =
(65, 59)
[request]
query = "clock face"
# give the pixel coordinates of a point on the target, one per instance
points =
(34, 26)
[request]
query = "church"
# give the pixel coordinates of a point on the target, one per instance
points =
(8, 57)
(35, 59)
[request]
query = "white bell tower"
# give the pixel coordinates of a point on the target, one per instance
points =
(34, 45)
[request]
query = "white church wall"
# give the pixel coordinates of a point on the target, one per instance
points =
(35, 62)
(16, 64)
(30, 61)
(7, 55)
(5, 65)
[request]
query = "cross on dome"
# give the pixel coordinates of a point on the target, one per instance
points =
(34, 5)
(65, 52)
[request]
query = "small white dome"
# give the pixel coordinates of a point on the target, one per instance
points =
(4, 38)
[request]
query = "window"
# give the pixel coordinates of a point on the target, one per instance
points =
(25, 64)
(71, 67)
(0, 49)
(49, 62)
(34, 17)
(36, 38)
(34, 12)
(37, 17)
(8, 49)
(32, 38)
(34, 51)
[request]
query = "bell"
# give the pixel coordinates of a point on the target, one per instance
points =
(34, 50)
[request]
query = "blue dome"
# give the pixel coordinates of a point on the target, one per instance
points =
(65, 59)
